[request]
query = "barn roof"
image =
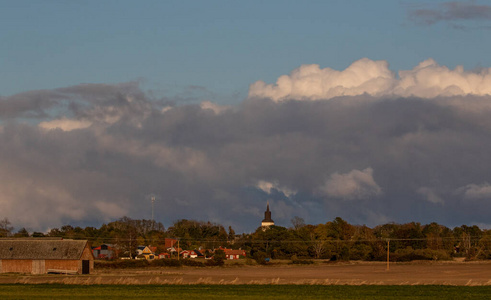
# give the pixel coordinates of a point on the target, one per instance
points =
(42, 249)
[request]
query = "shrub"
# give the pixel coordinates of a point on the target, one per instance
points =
(166, 263)
(260, 257)
(218, 258)
(302, 262)
(192, 263)
(121, 264)
(409, 254)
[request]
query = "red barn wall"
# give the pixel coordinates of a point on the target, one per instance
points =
(16, 266)
(63, 264)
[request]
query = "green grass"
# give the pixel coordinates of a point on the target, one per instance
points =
(201, 292)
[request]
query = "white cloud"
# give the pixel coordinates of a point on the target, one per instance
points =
(353, 185)
(430, 195)
(426, 80)
(65, 124)
(217, 109)
(474, 191)
(268, 187)
(310, 82)
(166, 109)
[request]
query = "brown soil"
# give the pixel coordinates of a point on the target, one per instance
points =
(352, 273)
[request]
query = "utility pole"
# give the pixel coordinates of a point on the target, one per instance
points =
(388, 245)
(153, 205)
(130, 247)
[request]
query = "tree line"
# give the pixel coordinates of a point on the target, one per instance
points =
(334, 240)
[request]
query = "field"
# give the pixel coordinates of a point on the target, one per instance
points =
(348, 280)
(242, 292)
(350, 273)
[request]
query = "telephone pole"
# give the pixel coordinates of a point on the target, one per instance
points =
(153, 206)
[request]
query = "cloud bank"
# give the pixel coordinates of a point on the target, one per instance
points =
(381, 148)
(426, 80)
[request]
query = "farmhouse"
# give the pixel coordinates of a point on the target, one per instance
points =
(191, 254)
(234, 254)
(41, 256)
(144, 252)
(104, 251)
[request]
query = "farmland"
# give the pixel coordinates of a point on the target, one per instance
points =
(348, 273)
(279, 280)
(242, 292)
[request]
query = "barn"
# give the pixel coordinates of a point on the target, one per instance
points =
(41, 256)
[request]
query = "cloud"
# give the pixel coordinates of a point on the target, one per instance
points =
(353, 185)
(217, 109)
(313, 83)
(110, 210)
(449, 11)
(427, 80)
(65, 124)
(268, 188)
(307, 157)
(475, 191)
(430, 195)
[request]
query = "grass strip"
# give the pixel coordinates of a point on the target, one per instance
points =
(55, 291)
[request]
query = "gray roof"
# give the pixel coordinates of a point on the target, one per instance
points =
(41, 249)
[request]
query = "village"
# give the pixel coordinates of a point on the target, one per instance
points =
(59, 255)
(128, 243)
(172, 250)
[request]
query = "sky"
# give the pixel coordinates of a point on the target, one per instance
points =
(373, 111)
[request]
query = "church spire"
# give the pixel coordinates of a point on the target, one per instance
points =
(267, 218)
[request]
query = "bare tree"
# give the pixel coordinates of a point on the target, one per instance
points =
(5, 228)
(318, 245)
(298, 222)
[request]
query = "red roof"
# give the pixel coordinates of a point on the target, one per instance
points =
(170, 242)
(234, 252)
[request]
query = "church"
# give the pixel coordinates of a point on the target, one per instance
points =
(267, 218)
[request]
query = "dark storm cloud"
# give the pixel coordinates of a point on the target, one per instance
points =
(450, 11)
(367, 159)
(44, 103)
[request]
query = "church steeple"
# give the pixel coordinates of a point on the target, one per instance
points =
(267, 218)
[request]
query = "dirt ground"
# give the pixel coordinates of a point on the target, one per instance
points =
(351, 273)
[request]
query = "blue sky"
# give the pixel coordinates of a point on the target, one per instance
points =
(222, 46)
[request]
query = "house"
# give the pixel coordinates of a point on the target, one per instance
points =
(173, 249)
(191, 254)
(104, 251)
(41, 256)
(234, 254)
(144, 252)
(164, 255)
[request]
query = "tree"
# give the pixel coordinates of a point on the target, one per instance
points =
(276, 241)
(231, 234)
(219, 257)
(5, 228)
(319, 247)
(298, 222)
(22, 233)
